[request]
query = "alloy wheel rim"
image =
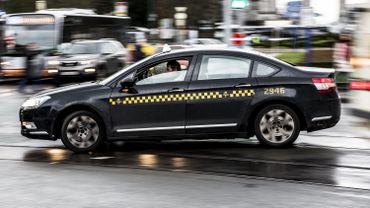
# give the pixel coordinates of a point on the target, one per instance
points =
(82, 131)
(277, 126)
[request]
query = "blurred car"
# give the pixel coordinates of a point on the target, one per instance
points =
(90, 58)
(220, 94)
(359, 83)
(205, 42)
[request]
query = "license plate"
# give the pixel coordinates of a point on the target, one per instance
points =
(69, 73)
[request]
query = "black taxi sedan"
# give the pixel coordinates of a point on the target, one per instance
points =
(190, 94)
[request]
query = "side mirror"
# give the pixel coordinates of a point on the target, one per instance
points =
(128, 81)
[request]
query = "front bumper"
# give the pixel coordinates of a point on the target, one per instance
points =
(20, 73)
(33, 126)
(77, 71)
(12, 73)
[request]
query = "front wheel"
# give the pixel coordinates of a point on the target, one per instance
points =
(82, 131)
(277, 126)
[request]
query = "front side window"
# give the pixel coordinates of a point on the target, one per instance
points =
(223, 67)
(165, 72)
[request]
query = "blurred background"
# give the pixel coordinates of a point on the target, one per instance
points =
(57, 42)
(45, 44)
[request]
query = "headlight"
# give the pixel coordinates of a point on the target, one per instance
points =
(5, 63)
(87, 62)
(53, 62)
(89, 70)
(52, 71)
(35, 102)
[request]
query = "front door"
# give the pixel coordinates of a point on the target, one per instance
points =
(155, 105)
(222, 91)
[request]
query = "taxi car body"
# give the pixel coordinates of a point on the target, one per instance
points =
(213, 93)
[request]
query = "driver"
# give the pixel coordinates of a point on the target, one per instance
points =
(173, 66)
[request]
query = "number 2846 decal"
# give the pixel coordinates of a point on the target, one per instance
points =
(274, 91)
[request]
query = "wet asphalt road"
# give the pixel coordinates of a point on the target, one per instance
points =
(324, 168)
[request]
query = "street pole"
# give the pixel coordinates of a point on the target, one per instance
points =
(227, 21)
(306, 3)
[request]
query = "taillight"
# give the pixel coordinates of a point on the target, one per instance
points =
(359, 85)
(324, 85)
(9, 38)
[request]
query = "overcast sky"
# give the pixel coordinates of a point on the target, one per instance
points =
(329, 9)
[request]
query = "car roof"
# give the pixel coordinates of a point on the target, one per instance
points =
(93, 41)
(207, 50)
(192, 51)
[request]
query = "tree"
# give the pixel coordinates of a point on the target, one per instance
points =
(137, 10)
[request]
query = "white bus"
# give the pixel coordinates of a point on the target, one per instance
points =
(47, 29)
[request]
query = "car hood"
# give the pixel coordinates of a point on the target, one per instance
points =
(78, 57)
(69, 89)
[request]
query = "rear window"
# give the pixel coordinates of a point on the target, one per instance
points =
(264, 70)
(223, 67)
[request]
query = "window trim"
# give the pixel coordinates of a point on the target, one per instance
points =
(196, 72)
(255, 64)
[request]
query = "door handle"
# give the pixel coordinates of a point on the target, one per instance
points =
(243, 85)
(176, 90)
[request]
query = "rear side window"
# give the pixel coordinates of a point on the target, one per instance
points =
(264, 70)
(223, 67)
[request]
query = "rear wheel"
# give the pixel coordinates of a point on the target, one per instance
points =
(277, 126)
(82, 131)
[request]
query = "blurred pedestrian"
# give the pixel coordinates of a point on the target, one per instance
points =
(34, 65)
(342, 52)
(139, 54)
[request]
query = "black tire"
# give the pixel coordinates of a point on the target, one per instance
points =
(92, 142)
(269, 125)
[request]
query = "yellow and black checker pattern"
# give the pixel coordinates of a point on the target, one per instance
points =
(182, 96)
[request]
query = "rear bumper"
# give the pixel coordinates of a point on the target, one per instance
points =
(326, 114)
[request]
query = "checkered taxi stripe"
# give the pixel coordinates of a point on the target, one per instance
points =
(174, 97)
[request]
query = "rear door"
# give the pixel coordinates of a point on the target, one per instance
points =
(219, 93)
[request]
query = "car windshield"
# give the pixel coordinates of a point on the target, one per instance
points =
(82, 48)
(41, 35)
